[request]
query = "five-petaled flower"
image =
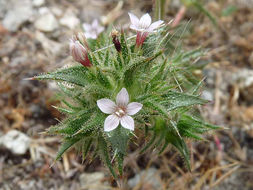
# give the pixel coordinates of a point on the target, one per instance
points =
(119, 112)
(78, 52)
(93, 30)
(143, 27)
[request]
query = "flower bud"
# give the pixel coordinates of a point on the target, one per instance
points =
(82, 39)
(78, 52)
(115, 40)
(140, 38)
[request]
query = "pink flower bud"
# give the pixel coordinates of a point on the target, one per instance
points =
(79, 53)
(115, 40)
(140, 38)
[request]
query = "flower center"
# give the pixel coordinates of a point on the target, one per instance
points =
(120, 112)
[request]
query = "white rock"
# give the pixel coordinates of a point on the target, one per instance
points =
(16, 141)
(49, 46)
(4, 5)
(69, 20)
(149, 178)
(243, 77)
(20, 12)
(207, 95)
(92, 181)
(38, 3)
(43, 10)
(46, 23)
(245, 4)
(52, 85)
(56, 11)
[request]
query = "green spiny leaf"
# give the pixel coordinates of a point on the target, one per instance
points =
(95, 120)
(104, 154)
(102, 78)
(75, 75)
(106, 60)
(156, 107)
(150, 143)
(64, 110)
(94, 60)
(133, 67)
(119, 138)
(120, 159)
(86, 147)
(68, 142)
(165, 145)
(124, 48)
(176, 100)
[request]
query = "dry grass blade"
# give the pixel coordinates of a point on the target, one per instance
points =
(209, 172)
(218, 181)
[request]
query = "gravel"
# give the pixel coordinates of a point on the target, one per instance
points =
(15, 141)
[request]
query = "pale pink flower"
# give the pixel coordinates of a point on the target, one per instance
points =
(78, 52)
(120, 113)
(144, 23)
(143, 26)
(92, 30)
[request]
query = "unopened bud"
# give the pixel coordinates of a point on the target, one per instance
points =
(82, 39)
(140, 38)
(115, 40)
(78, 52)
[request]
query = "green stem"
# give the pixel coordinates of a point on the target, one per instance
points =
(121, 58)
(137, 49)
(160, 6)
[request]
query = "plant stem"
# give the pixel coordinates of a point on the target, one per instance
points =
(122, 183)
(179, 16)
(160, 9)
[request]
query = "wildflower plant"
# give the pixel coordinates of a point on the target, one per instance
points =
(126, 88)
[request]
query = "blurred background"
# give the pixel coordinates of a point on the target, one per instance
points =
(34, 36)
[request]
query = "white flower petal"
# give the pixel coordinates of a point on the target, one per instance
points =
(134, 20)
(87, 27)
(122, 98)
(100, 29)
(106, 105)
(127, 122)
(111, 122)
(155, 25)
(92, 30)
(91, 35)
(133, 27)
(95, 23)
(133, 108)
(145, 21)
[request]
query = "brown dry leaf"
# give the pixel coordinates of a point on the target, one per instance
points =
(209, 172)
(2, 30)
(66, 164)
(243, 43)
(223, 177)
(250, 132)
(241, 153)
(214, 7)
(4, 87)
(49, 105)
(113, 14)
(242, 113)
(250, 37)
(248, 114)
(17, 116)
